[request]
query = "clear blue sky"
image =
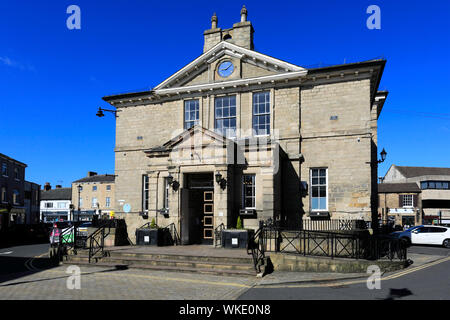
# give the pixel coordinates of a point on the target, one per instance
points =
(52, 79)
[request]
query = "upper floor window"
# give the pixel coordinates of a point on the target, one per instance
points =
(191, 113)
(3, 195)
(319, 187)
(407, 200)
(49, 205)
(4, 169)
(62, 205)
(16, 196)
(444, 185)
(94, 188)
(261, 113)
(248, 190)
(108, 202)
(225, 115)
(94, 202)
(108, 187)
(16, 173)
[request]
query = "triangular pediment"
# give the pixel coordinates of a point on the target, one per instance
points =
(253, 65)
(193, 138)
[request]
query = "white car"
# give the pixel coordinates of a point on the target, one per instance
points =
(431, 235)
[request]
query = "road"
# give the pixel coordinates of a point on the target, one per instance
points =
(18, 261)
(427, 283)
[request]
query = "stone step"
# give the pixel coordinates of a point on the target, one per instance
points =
(165, 262)
(165, 256)
(221, 272)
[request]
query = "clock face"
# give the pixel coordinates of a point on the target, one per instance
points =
(226, 68)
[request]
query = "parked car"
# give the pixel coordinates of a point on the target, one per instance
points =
(436, 235)
(405, 235)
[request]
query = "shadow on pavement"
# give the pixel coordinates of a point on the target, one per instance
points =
(16, 267)
(398, 293)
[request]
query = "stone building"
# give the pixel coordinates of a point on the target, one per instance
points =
(96, 196)
(12, 192)
(240, 133)
(400, 203)
(55, 204)
(434, 184)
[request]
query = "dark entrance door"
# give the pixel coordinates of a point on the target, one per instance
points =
(198, 209)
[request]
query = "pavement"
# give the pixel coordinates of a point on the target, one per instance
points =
(25, 274)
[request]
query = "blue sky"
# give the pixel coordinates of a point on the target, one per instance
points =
(52, 79)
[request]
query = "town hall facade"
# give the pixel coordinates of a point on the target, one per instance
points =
(237, 133)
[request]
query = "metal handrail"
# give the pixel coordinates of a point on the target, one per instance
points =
(174, 234)
(97, 241)
(218, 233)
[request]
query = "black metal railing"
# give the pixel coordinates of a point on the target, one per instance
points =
(270, 237)
(96, 241)
(174, 234)
(218, 235)
(333, 225)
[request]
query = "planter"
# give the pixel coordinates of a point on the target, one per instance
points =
(153, 237)
(234, 238)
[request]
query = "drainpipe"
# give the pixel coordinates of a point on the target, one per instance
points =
(157, 196)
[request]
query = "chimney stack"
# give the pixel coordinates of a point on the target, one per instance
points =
(58, 186)
(91, 173)
(47, 186)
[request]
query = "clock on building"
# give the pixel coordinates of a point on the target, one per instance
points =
(226, 68)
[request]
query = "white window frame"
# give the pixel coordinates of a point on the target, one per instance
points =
(230, 134)
(244, 197)
(261, 114)
(411, 199)
(94, 203)
(16, 195)
(311, 186)
(196, 121)
(108, 202)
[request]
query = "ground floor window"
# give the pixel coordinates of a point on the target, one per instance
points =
(166, 193)
(145, 193)
(319, 186)
(248, 190)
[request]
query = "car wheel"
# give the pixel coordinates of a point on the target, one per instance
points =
(446, 243)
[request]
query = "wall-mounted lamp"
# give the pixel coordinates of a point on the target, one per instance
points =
(173, 183)
(383, 154)
(101, 114)
(221, 181)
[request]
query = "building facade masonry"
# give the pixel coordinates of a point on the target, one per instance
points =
(240, 133)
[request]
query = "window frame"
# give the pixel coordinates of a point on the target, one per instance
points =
(5, 169)
(269, 113)
(166, 194)
(16, 196)
(410, 199)
(244, 196)
(4, 195)
(145, 193)
(196, 110)
(92, 202)
(107, 202)
(222, 118)
(318, 185)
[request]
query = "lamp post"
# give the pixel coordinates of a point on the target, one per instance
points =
(79, 201)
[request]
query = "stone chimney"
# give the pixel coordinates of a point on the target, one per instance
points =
(58, 186)
(47, 186)
(91, 173)
(241, 34)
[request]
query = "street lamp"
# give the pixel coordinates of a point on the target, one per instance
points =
(101, 114)
(383, 154)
